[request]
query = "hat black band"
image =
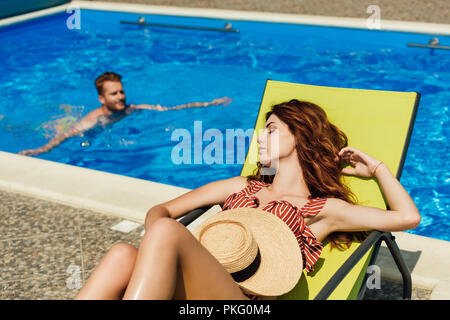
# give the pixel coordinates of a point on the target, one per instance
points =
(246, 273)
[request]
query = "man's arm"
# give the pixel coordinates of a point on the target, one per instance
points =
(225, 101)
(84, 124)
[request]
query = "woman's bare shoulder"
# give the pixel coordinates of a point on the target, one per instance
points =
(333, 205)
(237, 183)
(333, 202)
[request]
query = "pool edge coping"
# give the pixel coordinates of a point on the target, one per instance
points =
(345, 22)
(97, 191)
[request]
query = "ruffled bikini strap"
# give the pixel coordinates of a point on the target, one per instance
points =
(313, 207)
(253, 187)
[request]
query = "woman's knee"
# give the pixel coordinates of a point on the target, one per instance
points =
(123, 252)
(165, 230)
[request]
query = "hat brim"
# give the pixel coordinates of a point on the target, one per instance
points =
(281, 260)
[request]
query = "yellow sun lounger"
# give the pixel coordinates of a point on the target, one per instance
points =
(377, 122)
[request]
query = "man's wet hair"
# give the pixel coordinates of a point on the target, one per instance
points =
(106, 76)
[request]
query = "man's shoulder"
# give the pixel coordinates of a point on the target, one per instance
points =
(94, 113)
(92, 117)
(131, 108)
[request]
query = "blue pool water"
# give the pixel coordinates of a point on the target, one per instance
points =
(47, 75)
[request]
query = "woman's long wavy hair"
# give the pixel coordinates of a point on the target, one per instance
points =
(318, 143)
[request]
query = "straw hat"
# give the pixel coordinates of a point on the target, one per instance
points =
(258, 249)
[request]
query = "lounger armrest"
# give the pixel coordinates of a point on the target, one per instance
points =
(374, 238)
(192, 215)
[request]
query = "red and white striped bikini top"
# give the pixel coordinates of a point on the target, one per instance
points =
(290, 214)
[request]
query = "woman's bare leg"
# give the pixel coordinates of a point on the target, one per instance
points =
(110, 278)
(171, 263)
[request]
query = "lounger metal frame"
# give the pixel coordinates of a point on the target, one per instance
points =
(375, 238)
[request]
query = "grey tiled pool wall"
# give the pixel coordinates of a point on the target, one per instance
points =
(43, 244)
(437, 11)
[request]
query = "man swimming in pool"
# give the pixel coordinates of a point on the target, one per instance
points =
(112, 97)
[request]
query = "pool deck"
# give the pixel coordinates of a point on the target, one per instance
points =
(51, 225)
(437, 11)
(248, 15)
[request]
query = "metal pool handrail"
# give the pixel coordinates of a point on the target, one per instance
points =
(432, 44)
(141, 22)
(429, 46)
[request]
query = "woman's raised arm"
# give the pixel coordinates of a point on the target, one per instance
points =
(210, 194)
(403, 213)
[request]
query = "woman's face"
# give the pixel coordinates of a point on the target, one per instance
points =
(275, 142)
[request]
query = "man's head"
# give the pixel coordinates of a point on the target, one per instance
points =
(110, 91)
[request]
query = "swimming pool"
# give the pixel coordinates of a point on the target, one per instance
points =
(47, 73)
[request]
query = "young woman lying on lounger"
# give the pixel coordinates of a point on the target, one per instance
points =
(308, 153)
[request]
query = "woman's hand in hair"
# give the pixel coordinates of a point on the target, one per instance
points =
(363, 164)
